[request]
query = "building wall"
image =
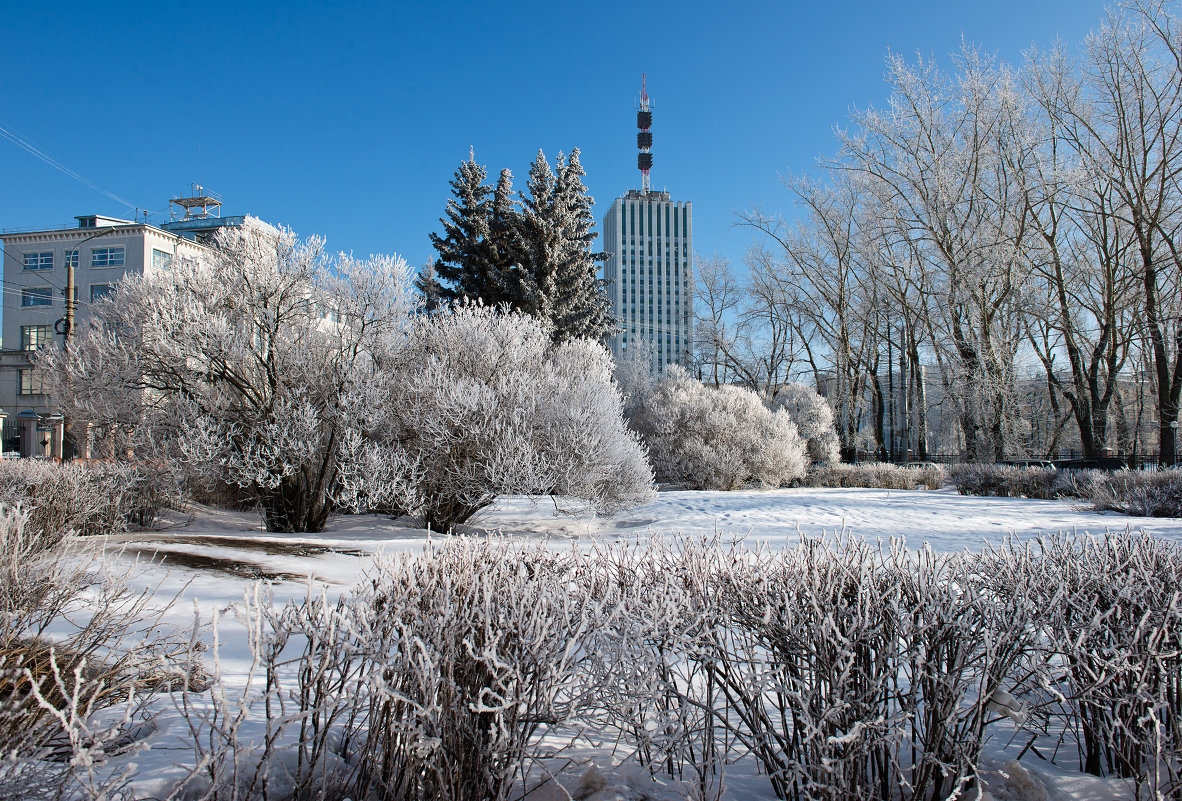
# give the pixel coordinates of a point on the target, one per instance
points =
(144, 248)
(650, 274)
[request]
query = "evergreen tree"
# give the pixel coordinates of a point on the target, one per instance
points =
(462, 266)
(540, 237)
(583, 309)
(534, 255)
(504, 242)
(556, 280)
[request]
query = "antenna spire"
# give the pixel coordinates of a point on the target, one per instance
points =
(644, 138)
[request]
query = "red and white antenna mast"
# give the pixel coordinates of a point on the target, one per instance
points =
(644, 138)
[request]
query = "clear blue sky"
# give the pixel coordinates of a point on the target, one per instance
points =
(348, 119)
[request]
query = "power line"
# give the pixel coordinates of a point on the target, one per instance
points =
(22, 142)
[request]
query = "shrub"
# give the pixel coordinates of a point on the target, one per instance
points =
(439, 678)
(1112, 641)
(874, 475)
(814, 421)
(240, 368)
(72, 642)
(481, 404)
(1149, 494)
(716, 438)
(1146, 493)
(90, 498)
(1043, 483)
(848, 670)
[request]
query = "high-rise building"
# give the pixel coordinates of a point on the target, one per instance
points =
(649, 271)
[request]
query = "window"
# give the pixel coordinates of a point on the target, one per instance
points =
(30, 382)
(100, 291)
(161, 259)
(34, 336)
(39, 261)
(72, 258)
(107, 257)
(37, 296)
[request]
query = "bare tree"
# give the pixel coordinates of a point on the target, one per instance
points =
(1126, 123)
(718, 294)
(817, 274)
(935, 155)
(1082, 303)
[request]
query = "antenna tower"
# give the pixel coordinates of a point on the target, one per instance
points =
(197, 205)
(644, 138)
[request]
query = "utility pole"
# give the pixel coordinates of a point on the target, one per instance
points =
(72, 257)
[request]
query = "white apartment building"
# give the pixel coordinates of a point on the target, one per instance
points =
(101, 250)
(649, 274)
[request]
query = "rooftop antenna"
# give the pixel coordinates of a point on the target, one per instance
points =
(198, 204)
(644, 138)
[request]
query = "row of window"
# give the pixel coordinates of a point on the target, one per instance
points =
(99, 258)
(43, 295)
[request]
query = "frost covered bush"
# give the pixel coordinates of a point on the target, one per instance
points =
(1149, 494)
(1043, 483)
(242, 369)
(480, 403)
(850, 671)
(90, 498)
(73, 643)
(874, 475)
(439, 678)
(1112, 637)
(716, 438)
(814, 421)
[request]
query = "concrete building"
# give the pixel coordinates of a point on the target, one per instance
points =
(650, 268)
(101, 250)
(650, 275)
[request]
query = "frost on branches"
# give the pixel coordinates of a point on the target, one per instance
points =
(814, 421)
(716, 438)
(483, 404)
(243, 368)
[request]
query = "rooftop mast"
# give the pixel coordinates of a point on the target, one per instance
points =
(644, 138)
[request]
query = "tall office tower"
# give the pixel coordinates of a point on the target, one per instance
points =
(650, 267)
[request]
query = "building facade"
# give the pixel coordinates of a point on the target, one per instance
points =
(649, 275)
(101, 251)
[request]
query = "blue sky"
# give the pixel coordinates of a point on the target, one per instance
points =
(348, 119)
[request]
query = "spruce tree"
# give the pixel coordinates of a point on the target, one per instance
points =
(462, 267)
(583, 309)
(556, 281)
(534, 255)
(540, 236)
(503, 250)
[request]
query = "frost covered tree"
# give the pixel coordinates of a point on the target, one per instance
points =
(557, 280)
(720, 438)
(635, 374)
(246, 368)
(481, 403)
(813, 418)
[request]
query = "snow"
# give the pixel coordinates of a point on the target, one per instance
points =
(195, 561)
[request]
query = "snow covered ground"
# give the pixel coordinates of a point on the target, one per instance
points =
(210, 559)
